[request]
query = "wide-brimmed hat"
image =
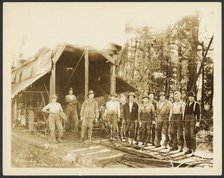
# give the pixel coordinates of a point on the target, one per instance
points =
(145, 96)
(113, 94)
(162, 94)
(191, 93)
(53, 96)
(91, 92)
(131, 94)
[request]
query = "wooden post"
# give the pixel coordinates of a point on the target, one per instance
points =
(53, 80)
(14, 112)
(86, 72)
(113, 77)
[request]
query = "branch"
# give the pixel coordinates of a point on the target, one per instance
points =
(202, 63)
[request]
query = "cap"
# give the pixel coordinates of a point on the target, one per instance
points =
(145, 96)
(177, 93)
(191, 93)
(113, 94)
(131, 94)
(91, 92)
(161, 94)
(53, 96)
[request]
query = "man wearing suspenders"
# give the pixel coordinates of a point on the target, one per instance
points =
(176, 123)
(191, 120)
(163, 112)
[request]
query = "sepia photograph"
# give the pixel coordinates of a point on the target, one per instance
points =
(104, 88)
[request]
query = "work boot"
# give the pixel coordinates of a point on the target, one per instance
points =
(181, 149)
(59, 140)
(54, 142)
(174, 148)
(81, 141)
(189, 151)
(157, 146)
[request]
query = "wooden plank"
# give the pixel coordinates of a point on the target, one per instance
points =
(160, 163)
(86, 72)
(131, 150)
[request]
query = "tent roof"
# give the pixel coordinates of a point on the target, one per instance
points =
(26, 74)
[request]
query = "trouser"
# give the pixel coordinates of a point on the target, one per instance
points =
(162, 125)
(72, 117)
(190, 135)
(176, 131)
(153, 130)
(120, 129)
(55, 120)
(113, 125)
(145, 131)
(87, 126)
(130, 129)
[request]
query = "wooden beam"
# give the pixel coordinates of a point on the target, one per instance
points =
(14, 112)
(113, 76)
(86, 72)
(53, 80)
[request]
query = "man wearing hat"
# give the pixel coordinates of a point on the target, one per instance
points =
(131, 117)
(54, 109)
(192, 118)
(163, 112)
(176, 122)
(71, 111)
(146, 115)
(112, 113)
(89, 112)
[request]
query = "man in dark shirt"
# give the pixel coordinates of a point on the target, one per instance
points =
(131, 117)
(192, 118)
(153, 129)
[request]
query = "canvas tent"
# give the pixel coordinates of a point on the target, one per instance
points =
(55, 71)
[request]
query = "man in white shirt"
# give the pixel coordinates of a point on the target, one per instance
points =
(112, 113)
(54, 109)
(176, 122)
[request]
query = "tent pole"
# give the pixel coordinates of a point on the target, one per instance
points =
(53, 80)
(15, 112)
(86, 72)
(113, 76)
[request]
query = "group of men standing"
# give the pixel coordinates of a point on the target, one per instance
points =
(145, 122)
(135, 121)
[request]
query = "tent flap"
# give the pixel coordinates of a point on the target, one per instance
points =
(28, 73)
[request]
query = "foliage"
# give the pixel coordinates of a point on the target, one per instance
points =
(166, 61)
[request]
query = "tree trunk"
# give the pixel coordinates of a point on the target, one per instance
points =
(203, 79)
(192, 66)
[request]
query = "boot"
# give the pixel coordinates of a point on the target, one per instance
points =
(189, 151)
(174, 148)
(81, 141)
(181, 149)
(59, 140)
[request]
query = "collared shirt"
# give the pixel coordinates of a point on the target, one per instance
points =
(193, 108)
(89, 109)
(146, 109)
(113, 107)
(130, 106)
(163, 107)
(54, 108)
(71, 99)
(178, 107)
